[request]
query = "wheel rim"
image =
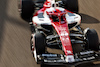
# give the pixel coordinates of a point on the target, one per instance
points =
(35, 55)
(33, 49)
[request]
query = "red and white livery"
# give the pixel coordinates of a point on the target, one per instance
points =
(55, 25)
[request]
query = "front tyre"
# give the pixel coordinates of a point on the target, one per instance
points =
(38, 44)
(92, 40)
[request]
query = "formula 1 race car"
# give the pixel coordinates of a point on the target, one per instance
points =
(54, 25)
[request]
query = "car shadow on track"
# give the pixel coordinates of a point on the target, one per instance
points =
(88, 19)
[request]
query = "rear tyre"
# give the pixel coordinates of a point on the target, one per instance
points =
(27, 9)
(92, 40)
(71, 5)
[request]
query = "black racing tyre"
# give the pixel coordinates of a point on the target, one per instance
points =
(92, 40)
(71, 5)
(37, 44)
(40, 43)
(27, 9)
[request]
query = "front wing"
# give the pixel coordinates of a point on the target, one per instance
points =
(59, 59)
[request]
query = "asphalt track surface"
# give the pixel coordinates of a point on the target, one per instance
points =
(15, 33)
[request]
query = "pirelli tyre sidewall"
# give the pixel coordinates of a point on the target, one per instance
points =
(92, 40)
(71, 5)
